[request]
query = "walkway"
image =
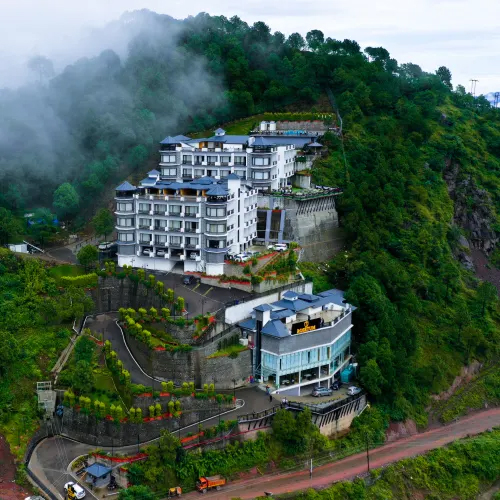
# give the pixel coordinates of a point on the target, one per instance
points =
(352, 466)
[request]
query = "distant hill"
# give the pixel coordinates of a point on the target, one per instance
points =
(491, 97)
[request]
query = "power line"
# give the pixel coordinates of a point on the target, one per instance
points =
(473, 86)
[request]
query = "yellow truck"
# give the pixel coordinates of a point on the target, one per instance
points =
(206, 483)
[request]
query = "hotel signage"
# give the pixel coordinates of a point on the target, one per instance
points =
(306, 326)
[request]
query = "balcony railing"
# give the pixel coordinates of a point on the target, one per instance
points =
(143, 211)
(162, 244)
(174, 214)
(191, 229)
(160, 228)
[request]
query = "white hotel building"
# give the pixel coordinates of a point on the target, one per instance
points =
(201, 204)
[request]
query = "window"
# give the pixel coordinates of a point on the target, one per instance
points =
(260, 161)
(198, 159)
(187, 159)
(216, 243)
(126, 237)
(216, 228)
(160, 240)
(240, 160)
(168, 158)
(160, 224)
(175, 210)
(225, 159)
(224, 173)
(211, 160)
(121, 222)
(144, 222)
(191, 210)
(199, 172)
(216, 212)
(175, 240)
(124, 207)
(160, 209)
(145, 238)
(175, 225)
(187, 172)
(144, 207)
(260, 175)
(170, 172)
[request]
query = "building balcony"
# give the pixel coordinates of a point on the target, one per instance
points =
(160, 214)
(161, 244)
(146, 226)
(145, 212)
(216, 217)
(221, 235)
(193, 246)
(174, 214)
(217, 199)
(124, 196)
(125, 228)
(176, 245)
(191, 229)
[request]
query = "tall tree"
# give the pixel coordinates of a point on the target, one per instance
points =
(88, 256)
(10, 226)
(445, 76)
(42, 66)
(103, 222)
(66, 200)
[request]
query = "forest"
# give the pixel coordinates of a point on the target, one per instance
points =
(421, 315)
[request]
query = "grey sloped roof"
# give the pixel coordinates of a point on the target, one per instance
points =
(248, 324)
(289, 294)
(182, 138)
(153, 172)
(275, 328)
(220, 131)
(98, 470)
(263, 141)
(233, 177)
(282, 313)
(263, 307)
(125, 186)
(314, 145)
(217, 190)
(235, 139)
(170, 140)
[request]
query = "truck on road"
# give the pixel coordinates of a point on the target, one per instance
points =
(206, 483)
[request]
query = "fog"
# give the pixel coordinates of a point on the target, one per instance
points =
(53, 126)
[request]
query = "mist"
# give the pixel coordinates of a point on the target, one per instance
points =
(95, 114)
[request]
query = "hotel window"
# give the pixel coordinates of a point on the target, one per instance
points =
(168, 158)
(186, 172)
(240, 160)
(175, 225)
(144, 207)
(160, 240)
(171, 172)
(124, 207)
(145, 238)
(198, 172)
(174, 210)
(126, 237)
(216, 228)
(191, 210)
(144, 222)
(224, 173)
(187, 159)
(261, 161)
(216, 212)
(160, 209)
(225, 159)
(260, 175)
(211, 160)
(125, 222)
(175, 240)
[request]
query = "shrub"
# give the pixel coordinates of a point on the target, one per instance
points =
(83, 281)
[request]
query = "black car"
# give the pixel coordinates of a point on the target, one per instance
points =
(336, 385)
(188, 279)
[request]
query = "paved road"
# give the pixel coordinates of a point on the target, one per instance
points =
(349, 467)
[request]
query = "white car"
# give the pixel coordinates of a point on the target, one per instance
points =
(79, 491)
(147, 251)
(242, 257)
(353, 390)
(278, 247)
(160, 253)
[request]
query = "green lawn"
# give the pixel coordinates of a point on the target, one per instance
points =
(66, 270)
(237, 348)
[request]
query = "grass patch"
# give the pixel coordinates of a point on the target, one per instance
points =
(228, 351)
(57, 272)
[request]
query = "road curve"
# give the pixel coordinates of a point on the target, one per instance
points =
(348, 468)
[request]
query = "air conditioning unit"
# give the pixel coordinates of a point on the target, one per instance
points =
(244, 342)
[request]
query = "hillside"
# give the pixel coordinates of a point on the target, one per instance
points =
(418, 164)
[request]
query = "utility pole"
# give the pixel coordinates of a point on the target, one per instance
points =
(497, 98)
(473, 86)
(311, 469)
(367, 451)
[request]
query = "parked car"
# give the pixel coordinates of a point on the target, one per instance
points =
(278, 247)
(106, 245)
(193, 255)
(79, 491)
(353, 390)
(188, 279)
(336, 385)
(147, 251)
(160, 253)
(242, 257)
(319, 392)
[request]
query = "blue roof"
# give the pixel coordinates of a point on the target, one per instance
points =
(125, 186)
(149, 180)
(263, 141)
(181, 138)
(287, 140)
(97, 470)
(290, 295)
(314, 145)
(281, 313)
(220, 130)
(217, 190)
(293, 305)
(236, 139)
(263, 307)
(153, 172)
(275, 328)
(248, 324)
(233, 177)
(335, 295)
(308, 297)
(170, 140)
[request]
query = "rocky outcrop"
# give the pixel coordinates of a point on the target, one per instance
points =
(473, 212)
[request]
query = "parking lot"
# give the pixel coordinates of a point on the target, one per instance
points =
(199, 298)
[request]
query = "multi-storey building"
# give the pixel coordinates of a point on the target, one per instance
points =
(162, 222)
(261, 162)
(300, 341)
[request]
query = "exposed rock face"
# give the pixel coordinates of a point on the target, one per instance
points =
(474, 213)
